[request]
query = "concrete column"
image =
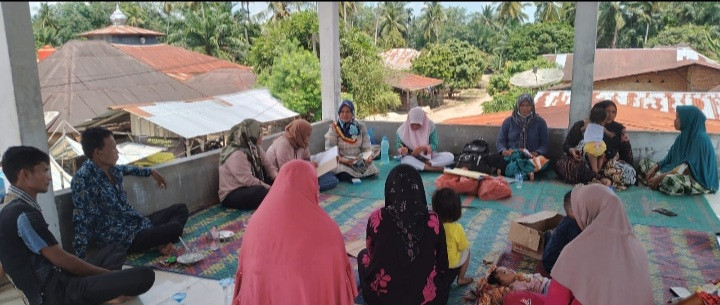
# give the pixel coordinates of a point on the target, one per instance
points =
(586, 14)
(22, 121)
(329, 58)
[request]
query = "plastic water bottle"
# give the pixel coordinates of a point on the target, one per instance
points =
(519, 180)
(384, 151)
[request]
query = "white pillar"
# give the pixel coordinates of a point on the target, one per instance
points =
(329, 58)
(21, 114)
(586, 14)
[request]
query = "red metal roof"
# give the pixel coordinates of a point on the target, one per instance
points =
(616, 63)
(121, 30)
(413, 82)
(177, 62)
(645, 111)
(399, 59)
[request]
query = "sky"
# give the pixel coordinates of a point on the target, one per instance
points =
(470, 7)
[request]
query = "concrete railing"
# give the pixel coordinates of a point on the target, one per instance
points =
(194, 180)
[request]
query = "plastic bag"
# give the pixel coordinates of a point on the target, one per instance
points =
(494, 188)
(461, 185)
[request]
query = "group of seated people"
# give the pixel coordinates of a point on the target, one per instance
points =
(293, 251)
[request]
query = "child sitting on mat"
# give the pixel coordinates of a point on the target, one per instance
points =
(519, 281)
(446, 204)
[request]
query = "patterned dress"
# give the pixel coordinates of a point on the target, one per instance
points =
(351, 150)
(676, 182)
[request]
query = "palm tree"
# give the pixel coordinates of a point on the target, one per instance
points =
(432, 20)
(488, 17)
(46, 17)
(512, 12)
(612, 19)
(347, 7)
(135, 14)
(547, 12)
(645, 11)
(393, 18)
(276, 10)
(211, 31)
(567, 13)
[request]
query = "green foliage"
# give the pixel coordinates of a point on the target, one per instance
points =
(77, 17)
(295, 80)
(299, 30)
(503, 93)
(391, 40)
(535, 39)
(459, 64)
(694, 35)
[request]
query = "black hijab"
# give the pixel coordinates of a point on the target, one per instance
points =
(406, 204)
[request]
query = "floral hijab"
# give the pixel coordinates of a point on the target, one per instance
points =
(405, 202)
(348, 131)
(243, 137)
(524, 121)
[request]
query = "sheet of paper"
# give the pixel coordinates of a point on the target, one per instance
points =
(353, 248)
(326, 160)
(367, 154)
(465, 173)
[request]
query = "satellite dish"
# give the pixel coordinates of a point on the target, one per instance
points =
(536, 77)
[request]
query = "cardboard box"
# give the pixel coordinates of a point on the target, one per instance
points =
(526, 233)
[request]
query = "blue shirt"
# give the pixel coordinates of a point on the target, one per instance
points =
(538, 136)
(565, 232)
(102, 212)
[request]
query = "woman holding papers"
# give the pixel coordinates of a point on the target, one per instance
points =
(293, 144)
(417, 142)
(245, 173)
(292, 251)
(353, 142)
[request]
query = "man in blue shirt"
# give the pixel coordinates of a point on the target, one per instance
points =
(102, 212)
(563, 234)
(32, 258)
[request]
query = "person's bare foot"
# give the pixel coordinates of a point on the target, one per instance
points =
(532, 176)
(166, 249)
(119, 300)
(606, 181)
(464, 281)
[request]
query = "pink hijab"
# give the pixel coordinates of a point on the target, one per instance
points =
(292, 251)
(606, 264)
(420, 137)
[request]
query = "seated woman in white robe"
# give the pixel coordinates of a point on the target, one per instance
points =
(417, 143)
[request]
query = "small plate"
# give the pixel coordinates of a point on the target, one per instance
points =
(190, 258)
(223, 235)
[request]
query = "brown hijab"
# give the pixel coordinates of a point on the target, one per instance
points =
(297, 131)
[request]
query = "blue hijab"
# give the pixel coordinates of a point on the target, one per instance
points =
(694, 147)
(349, 129)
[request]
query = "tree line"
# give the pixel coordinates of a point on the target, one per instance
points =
(281, 42)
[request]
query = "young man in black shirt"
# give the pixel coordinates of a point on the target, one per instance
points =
(31, 256)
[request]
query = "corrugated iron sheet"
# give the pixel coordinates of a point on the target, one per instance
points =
(413, 82)
(649, 111)
(177, 62)
(224, 81)
(616, 63)
(212, 115)
(121, 30)
(130, 152)
(399, 59)
(83, 78)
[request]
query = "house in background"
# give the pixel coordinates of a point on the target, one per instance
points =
(414, 90)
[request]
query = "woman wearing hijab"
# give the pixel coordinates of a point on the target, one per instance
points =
(572, 168)
(605, 265)
(353, 142)
(523, 130)
(690, 166)
(292, 251)
(417, 142)
(292, 145)
(405, 262)
(245, 173)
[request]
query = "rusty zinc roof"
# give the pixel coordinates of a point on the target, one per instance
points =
(223, 81)
(412, 82)
(120, 30)
(399, 59)
(177, 62)
(616, 63)
(645, 111)
(83, 78)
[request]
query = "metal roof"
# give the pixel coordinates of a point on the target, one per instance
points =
(128, 152)
(412, 82)
(177, 62)
(616, 63)
(223, 81)
(399, 59)
(83, 78)
(121, 30)
(637, 110)
(190, 119)
(60, 178)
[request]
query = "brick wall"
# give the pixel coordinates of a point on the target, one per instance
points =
(703, 78)
(669, 80)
